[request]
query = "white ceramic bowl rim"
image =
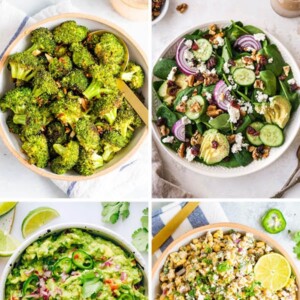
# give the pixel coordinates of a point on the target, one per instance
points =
(222, 172)
(93, 229)
(162, 13)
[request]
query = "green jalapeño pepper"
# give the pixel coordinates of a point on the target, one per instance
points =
(273, 221)
(64, 265)
(82, 260)
(30, 285)
(126, 297)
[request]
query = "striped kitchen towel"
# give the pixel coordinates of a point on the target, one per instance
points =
(129, 180)
(206, 213)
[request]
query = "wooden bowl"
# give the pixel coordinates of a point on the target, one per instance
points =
(195, 233)
(22, 42)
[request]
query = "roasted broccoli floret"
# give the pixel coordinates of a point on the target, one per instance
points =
(13, 128)
(59, 67)
(76, 81)
(23, 66)
(56, 133)
(92, 40)
(103, 82)
(42, 40)
(110, 50)
(87, 134)
(67, 159)
(16, 100)
(88, 162)
(81, 56)
(134, 75)
(36, 148)
(43, 83)
(127, 120)
(112, 142)
(69, 32)
(67, 109)
(60, 51)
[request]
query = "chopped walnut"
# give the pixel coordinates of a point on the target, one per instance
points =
(181, 107)
(195, 92)
(164, 130)
(286, 70)
(259, 152)
(182, 7)
(210, 79)
(196, 107)
(254, 55)
(243, 113)
(214, 39)
(212, 29)
(213, 111)
(190, 80)
(196, 139)
(259, 84)
(247, 60)
(231, 139)
(181, 150)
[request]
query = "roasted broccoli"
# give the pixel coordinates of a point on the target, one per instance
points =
(87, 134)
(92, 40)
(81, 56)
(36, 148)
(88, 162)
(60, 51)
(59, 67)
(69, 32)
(134, 75)
(42, 40)
(13, 128)
(43, 83)
(67, 159)
(76, 81)
(23, 66)
(56, 133)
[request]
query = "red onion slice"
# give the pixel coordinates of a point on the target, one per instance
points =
(222, 95)
(247, 41)
(181, 61)
(178, 130)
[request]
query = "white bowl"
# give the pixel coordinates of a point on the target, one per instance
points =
(162, 13)
(217, 171)
(198, 232)
(22, 42)
(94, 229)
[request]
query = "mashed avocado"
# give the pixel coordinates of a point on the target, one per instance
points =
(74, 265)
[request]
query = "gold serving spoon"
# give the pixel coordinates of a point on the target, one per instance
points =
(130, 96)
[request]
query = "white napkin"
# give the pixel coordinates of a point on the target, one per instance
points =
(130, 180)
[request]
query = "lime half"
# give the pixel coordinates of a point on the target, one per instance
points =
(8, 244)
(6, 207)
(38, 218)
(273, 271)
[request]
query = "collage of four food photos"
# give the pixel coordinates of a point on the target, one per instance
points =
(149, 150)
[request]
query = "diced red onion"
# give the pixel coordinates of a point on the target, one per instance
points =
(181, 61)
(247, 41)
(178, 130)
(222, 95)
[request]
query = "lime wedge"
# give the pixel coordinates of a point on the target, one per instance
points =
(38, 218)
(8, 244)
(273, 271)
(6, 207)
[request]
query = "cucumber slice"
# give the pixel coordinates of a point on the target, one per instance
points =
(254, 139)
(205, 50)
(243, 76)
(238, 64)
(193, 115)
(271, 135)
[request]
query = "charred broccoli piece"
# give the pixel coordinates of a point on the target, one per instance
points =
(42, 40)
(16, 100)
(13, 128)
(43, 83)
(23, 66)
(134, 75)
(87, 134)
(67, 159)
(107, 107)
(69, 32)
(92, 40)
(56, 133)
(76, 81)
(110, 50)
(103, 82)
(59, 67)
(36, 148)
(60, 51)
(81, 56)
(88, 162)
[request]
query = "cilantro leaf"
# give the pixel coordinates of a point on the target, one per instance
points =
(144, 219)
(140, 239)
(297, 250)
(112, 211)
(296, 237)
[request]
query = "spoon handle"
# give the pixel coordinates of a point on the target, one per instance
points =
(282, 192)
(292, 176)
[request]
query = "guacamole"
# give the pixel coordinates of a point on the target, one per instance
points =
(72, 265)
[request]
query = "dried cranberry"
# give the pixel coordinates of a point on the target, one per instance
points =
(195, 46)
(195, 150)
(258, 68)
(282, 77)
(161, 121)
(214, 144)
(211, 63)
(235, 104)
(231, 62)
(187, 143)
(199, 77)
(252, 131)
(263, 60)
(171, 83)
(172, 90)
(206, 36)
(239, 122)
(260, 149)
(294, 87)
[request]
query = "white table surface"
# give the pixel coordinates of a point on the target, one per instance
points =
(15, 179)
(79, 212)
(257, 12)
(250, 213)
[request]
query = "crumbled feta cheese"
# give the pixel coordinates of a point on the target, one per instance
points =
(202, 67)
(250, 49)
(226, 67)
(234, 113)
(229, 88)
(188, 43)
(261, 97)
(188, 55)
(259, 36)
(238, 145)
(168, 139)
(234, 86)
(208, 96)
(270, 60)
(220, 42)
(185, 120)
(246, 106)
(184, 98)
(189, 155)
(291, 81)
(251, 67)
(212, 71)
(271, 99)
(172, 73)
(230, 79)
